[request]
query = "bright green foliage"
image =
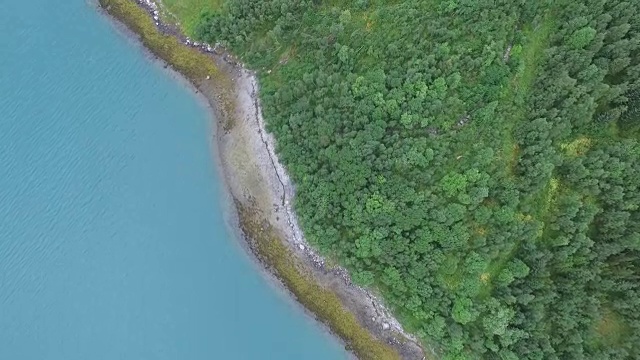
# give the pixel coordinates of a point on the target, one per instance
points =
(582, 37)
(463, 311)
(476, 161)
(188, 11)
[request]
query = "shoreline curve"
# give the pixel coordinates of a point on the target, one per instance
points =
(262, 192)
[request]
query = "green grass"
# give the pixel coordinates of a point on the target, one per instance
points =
(520, 86)
(609, 330)
(188, 11)
(515, 95)
(513, 100)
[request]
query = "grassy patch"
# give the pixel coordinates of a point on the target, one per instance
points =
(577, 147)
(520, 86)
(530, 54)
(189, 11)
(610, 329)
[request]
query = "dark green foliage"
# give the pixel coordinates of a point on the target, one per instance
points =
(476, 161)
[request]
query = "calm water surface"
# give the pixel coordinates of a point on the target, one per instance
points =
(112, 238)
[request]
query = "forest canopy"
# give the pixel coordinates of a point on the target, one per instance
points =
(476, 161)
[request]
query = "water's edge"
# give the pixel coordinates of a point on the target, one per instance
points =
(263, 214)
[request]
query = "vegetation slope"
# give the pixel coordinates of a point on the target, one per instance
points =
(477, 161)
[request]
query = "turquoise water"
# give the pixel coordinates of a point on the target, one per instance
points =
(113, 243)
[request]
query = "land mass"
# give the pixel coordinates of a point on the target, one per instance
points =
(477, 162)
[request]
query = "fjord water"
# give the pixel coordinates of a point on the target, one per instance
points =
(113, 243)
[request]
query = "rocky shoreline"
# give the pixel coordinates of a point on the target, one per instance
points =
(261, 186)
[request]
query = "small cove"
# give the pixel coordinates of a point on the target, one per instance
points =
(113, 243)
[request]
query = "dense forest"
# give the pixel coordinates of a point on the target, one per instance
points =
(476, 161)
